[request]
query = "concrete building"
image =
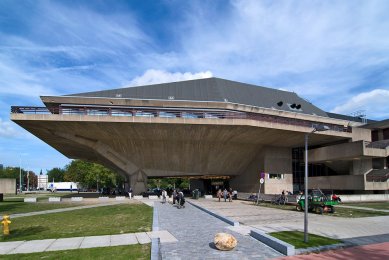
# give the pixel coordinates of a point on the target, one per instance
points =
(213, 131)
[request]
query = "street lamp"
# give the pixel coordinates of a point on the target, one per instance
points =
(316, 128)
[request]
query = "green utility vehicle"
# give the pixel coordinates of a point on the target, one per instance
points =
(317, 202)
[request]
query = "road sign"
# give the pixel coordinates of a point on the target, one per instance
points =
(261, 180)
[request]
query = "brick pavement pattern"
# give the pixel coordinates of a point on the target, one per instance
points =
(374, 251)
(195, 231)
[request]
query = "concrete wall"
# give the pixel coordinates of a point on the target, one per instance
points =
(361, 134)
(341, 182)
(361, 166)
(8, 186)
(377, 186)
(364, 197)
(269, 160)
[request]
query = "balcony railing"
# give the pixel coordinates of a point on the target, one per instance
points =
(170, 113)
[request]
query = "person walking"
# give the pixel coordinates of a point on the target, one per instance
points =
(164, 195)
(219, 194)
(130, 193)
(174, 196)
(225, 195)
(230, 195)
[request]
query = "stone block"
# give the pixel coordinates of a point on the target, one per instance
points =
(77, 198)
(153, 197)
(208, 196)
(138, 197)
(120, 198)
(30, 200)
(55, 199)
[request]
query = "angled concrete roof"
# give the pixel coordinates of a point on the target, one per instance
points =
(214, 89)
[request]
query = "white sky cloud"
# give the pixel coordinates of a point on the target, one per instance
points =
(160, 76)
(375, 103)
(7, 129)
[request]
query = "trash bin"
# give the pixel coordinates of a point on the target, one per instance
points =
(1, 197)
(195, 194)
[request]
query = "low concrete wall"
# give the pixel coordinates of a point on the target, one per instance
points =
(275, 243)
(77, 198)
(138, 197)
(364, 197)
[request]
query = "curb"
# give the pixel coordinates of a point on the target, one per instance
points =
(318, 249)
(155, 249)
(275, 243)
(155, 242)
(225, 219)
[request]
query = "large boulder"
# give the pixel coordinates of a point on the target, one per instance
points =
(225, 242)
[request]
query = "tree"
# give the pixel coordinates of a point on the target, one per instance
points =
(92, 175)
(56, 174)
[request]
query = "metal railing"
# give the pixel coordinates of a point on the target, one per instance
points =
(170, 113)
(381, 175)
(383, 144)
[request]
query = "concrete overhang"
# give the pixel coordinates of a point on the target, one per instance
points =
(345, 151)
(56, 101)
(167, 146)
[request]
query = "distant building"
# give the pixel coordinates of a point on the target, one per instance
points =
(217, 133)
(42, 182)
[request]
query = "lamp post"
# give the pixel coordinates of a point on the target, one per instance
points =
(316, 128)
(20, 174)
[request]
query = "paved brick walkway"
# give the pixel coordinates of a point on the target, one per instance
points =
(195, 231)
(374, 251)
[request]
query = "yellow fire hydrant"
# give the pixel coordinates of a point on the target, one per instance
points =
(6, 223)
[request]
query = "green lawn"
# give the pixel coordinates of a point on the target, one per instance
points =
(339, 212)
(296, 238)
(13, 207)
(373, 205)
(141, 252)
(105, 220)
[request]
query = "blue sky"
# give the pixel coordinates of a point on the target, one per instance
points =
(332, 53)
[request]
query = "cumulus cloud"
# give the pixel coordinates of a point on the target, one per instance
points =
(375, 103)
(153, 76)
(6, 129)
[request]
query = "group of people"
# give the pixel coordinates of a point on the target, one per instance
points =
(226, 194)
(177, 197)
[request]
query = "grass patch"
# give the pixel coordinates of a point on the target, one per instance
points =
(141, 252)
(372, 205)
(105, 220)
(13, 207)
(357, 213)
(296, 238)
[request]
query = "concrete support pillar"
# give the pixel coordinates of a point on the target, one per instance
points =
(138, 182)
